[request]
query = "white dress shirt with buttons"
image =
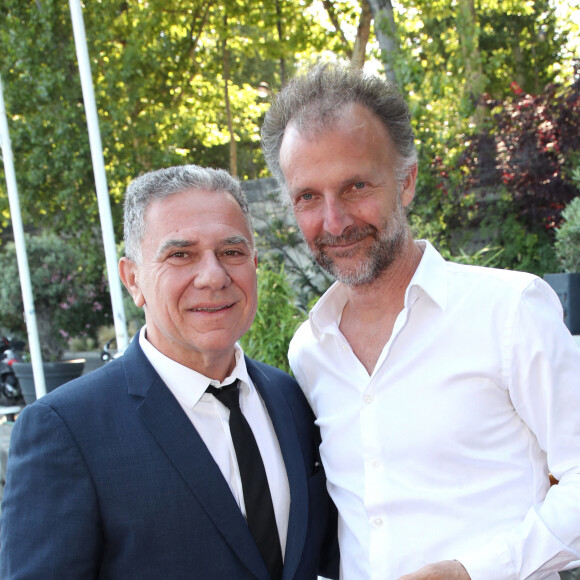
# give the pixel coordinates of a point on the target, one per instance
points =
(211, 420)
(444, 451)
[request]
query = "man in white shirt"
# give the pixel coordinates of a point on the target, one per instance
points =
(445, 394)
(141, 469)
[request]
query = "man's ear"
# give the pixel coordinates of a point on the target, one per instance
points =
(408, 192)
(128, 272)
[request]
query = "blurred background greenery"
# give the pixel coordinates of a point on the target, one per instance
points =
(493, 86)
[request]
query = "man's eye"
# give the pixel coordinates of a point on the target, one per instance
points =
(306, 196)
(359, 185)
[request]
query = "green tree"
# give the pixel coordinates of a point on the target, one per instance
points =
(276, 320)
(70, 298)
(568, 237)
(48, 131)
(454, 56)
(161, 69)
(159, 77)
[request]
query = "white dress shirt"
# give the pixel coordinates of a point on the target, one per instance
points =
(443, 451)
(211, 420)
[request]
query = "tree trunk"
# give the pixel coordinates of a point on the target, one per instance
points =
(386, 33)
(281, 41)
(362, 36)
(520, 65)
(329, 6)
(468, 30)
(226, 64)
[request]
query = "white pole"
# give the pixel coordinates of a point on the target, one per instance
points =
(21, 256)
(100, 175)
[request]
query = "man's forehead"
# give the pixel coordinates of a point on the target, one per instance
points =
(312, 121)
(175, 200)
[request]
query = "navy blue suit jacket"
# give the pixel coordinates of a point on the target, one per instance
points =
(107, 478)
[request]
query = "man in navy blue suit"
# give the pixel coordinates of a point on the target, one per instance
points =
(132, 471)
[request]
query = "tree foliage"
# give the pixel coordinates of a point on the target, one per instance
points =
(158, 70)
(161, 70)
(70, 297)
(48, 131)
(454, 52)
(568, 236)
(276, 320)
(516, 175)
(533, 139)
(184, 81)
(456, 60)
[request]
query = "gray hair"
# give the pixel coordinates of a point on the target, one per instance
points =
(162, 183)
(313, 101)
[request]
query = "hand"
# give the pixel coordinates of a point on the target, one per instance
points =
(446, 570)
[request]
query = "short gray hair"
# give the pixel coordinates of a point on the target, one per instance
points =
(162, 183)
(313, 101)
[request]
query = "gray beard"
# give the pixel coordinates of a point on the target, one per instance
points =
(387, 246)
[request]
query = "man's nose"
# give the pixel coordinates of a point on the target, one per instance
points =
(337, 217)
(211, 273)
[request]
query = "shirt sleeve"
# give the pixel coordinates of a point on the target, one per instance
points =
(49, 523)
(294, 360)
(543, 373)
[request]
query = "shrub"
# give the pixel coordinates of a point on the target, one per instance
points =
(70, 298)
(568, 237)
(514, 176)
(525, 149)
(276, 320)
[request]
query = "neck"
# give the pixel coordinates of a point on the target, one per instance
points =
(216, 365)
(369, 315)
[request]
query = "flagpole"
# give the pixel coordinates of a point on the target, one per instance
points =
(100, 174)
(21, 256)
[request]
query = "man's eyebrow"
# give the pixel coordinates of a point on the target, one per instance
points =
(342, 185)
(235, 240)
(180, 243)
(174, 244)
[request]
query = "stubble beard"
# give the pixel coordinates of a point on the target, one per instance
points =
(387, 246)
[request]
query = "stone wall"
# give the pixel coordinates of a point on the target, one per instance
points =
(268, 214)
(264, 205)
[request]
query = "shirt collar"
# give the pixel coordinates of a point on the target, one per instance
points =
(187, 385)
(327, 312)
(430, 279)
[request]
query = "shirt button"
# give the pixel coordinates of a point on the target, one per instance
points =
(375, 463)
(378, 522)
(368, 399)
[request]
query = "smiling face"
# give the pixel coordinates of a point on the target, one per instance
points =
(345, 195)
(196, 280)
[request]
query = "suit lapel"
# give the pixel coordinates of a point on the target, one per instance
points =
(185, 449)
(289, 442)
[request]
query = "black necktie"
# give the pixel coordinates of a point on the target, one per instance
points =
(257, 498)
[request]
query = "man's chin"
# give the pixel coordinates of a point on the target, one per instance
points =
(351, 276)
(346, 253)
(337, 258)
(356, 279)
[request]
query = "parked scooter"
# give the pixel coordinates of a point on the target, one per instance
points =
(109, 353)
(10, 393)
